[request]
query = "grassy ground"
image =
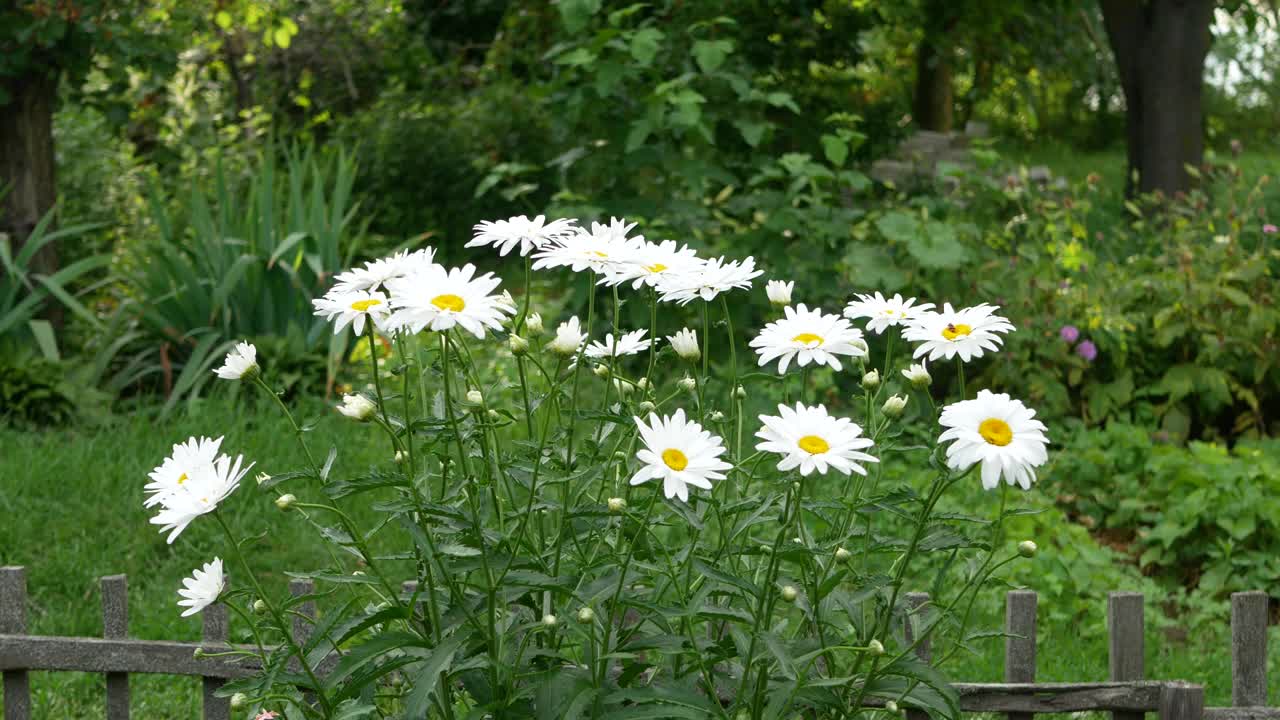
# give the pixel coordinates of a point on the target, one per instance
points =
(72, 505)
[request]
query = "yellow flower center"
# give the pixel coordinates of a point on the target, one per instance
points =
(996, 431)
(675, 459)
(953, 331)
(449, 302)
(807, 338)
(655, 268)
(813, 444)
(599, 254)
(182, 478)
(363, 305)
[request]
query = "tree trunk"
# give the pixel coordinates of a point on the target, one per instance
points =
(934, 99)
(27, 162)
(1160, 48)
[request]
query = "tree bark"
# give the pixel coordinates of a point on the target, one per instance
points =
(934, 101)
(27, 162)
(1160, 48)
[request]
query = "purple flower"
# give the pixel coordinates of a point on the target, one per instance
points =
(1270, 229)
(1069, 333)
(1087, 350)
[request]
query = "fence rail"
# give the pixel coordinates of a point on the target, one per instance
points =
(1128, 695)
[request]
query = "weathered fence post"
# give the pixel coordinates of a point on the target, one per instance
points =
(1020, 640)
(1249, 648)
(301, 627)
(1181, 701)
(216, 634)
(1128, 642)
(917, 601)
(115, 626)
(13, 621)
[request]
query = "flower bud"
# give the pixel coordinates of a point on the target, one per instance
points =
(646, 407)
(263, 477)
(779, 292)
(875, 647)
(1027, 549)
(642, 384)
(197, 653)
(617, 504)
(894, 406)
(519, 346)
(620, 456)
(238, 701)
(586, 615)
(602, 370)
(789, 593)
(493, 415)
(891, 706)
(685, 343)
(624, 388)
(549, 620)
(717, 416)
(475, 397)
(687, 384)
(357, 407)
(871, 380)
(918, 376)
(861, 346)
(286, 501)
(259, 606)
(843, 555)
(533, 324)
(740, 393)
(401, 457)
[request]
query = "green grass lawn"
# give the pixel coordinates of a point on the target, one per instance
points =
(71, 503)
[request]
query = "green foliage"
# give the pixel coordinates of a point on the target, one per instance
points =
(33, 393)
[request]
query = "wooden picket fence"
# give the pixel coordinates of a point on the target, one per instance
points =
(1128, 695)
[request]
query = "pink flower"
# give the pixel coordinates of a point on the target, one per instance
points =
(1087, 350)
(1270, 229)
(1069, 333)
(267, 715)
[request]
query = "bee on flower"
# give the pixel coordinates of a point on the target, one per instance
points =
(968, 332)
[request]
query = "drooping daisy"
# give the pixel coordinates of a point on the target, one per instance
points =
(918, 375)
(647, 263)
(178, 468)
(807, 336)
(375, 274)
(569, 337)
(707, 280)
(438, 299)
(242, 362)
(352, 308)
(529, 235)
(629, 344)
(200, 494)
(810, 439)
(967, 332)
(356, 407)
(779, 292)
(999, 432)
(685, 343)
(883, 312)
(680, 453)
(203, 587)
(597, 249)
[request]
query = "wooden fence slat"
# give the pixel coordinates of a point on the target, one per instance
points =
(301, 627)
(13, 620)
(1182, 701)
(216, 633)
(115, 626)
(1127, 641)
(916, 603)
(1020, 640)
(1249, 648)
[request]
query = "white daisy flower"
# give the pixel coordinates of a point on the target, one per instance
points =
(807, 336)
(203, 587)
(203, 490)
(685, 343)
(999, 432)
(374, 275)
(242, 362)
(181, 464)
(647, 264)
(884, 313)
(967, 332)
(918, 375)
(779, 292)
(438, 299)
(569, 337)
(529, 235)
(598, 249)
(357, 407)
(343, 308)
(810, 439)
(630, 344)
(679, 452)
(707, 280)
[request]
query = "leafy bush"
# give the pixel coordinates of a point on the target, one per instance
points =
(34, 393)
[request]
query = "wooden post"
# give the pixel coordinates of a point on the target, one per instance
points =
(1181, 701)
(1128, 643)
(1020, 640)
(916, 602)
(1249, 649)
(216, 634)
(115, 626)
(13, 621)
(302, 628)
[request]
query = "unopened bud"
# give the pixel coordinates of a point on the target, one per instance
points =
(586, 615)
(646, 407)
(549, 620)
(617, 505)
(717, 416)
(284, 502)
(624, 388)
(740, 393)
(197, 653)
(894, 406)
(259, 606)
(533, 324)
(519, 346)
(842, 555)
(642, 384)
(789, 593)
(891, 706)
(401, 457)
(602, 371)
(620, 456)
(918, 376)
(687, 384)
(1027, 549)
(475, 397)
(493, 414)
(238, 701)
(875, 647)
(871, 380)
